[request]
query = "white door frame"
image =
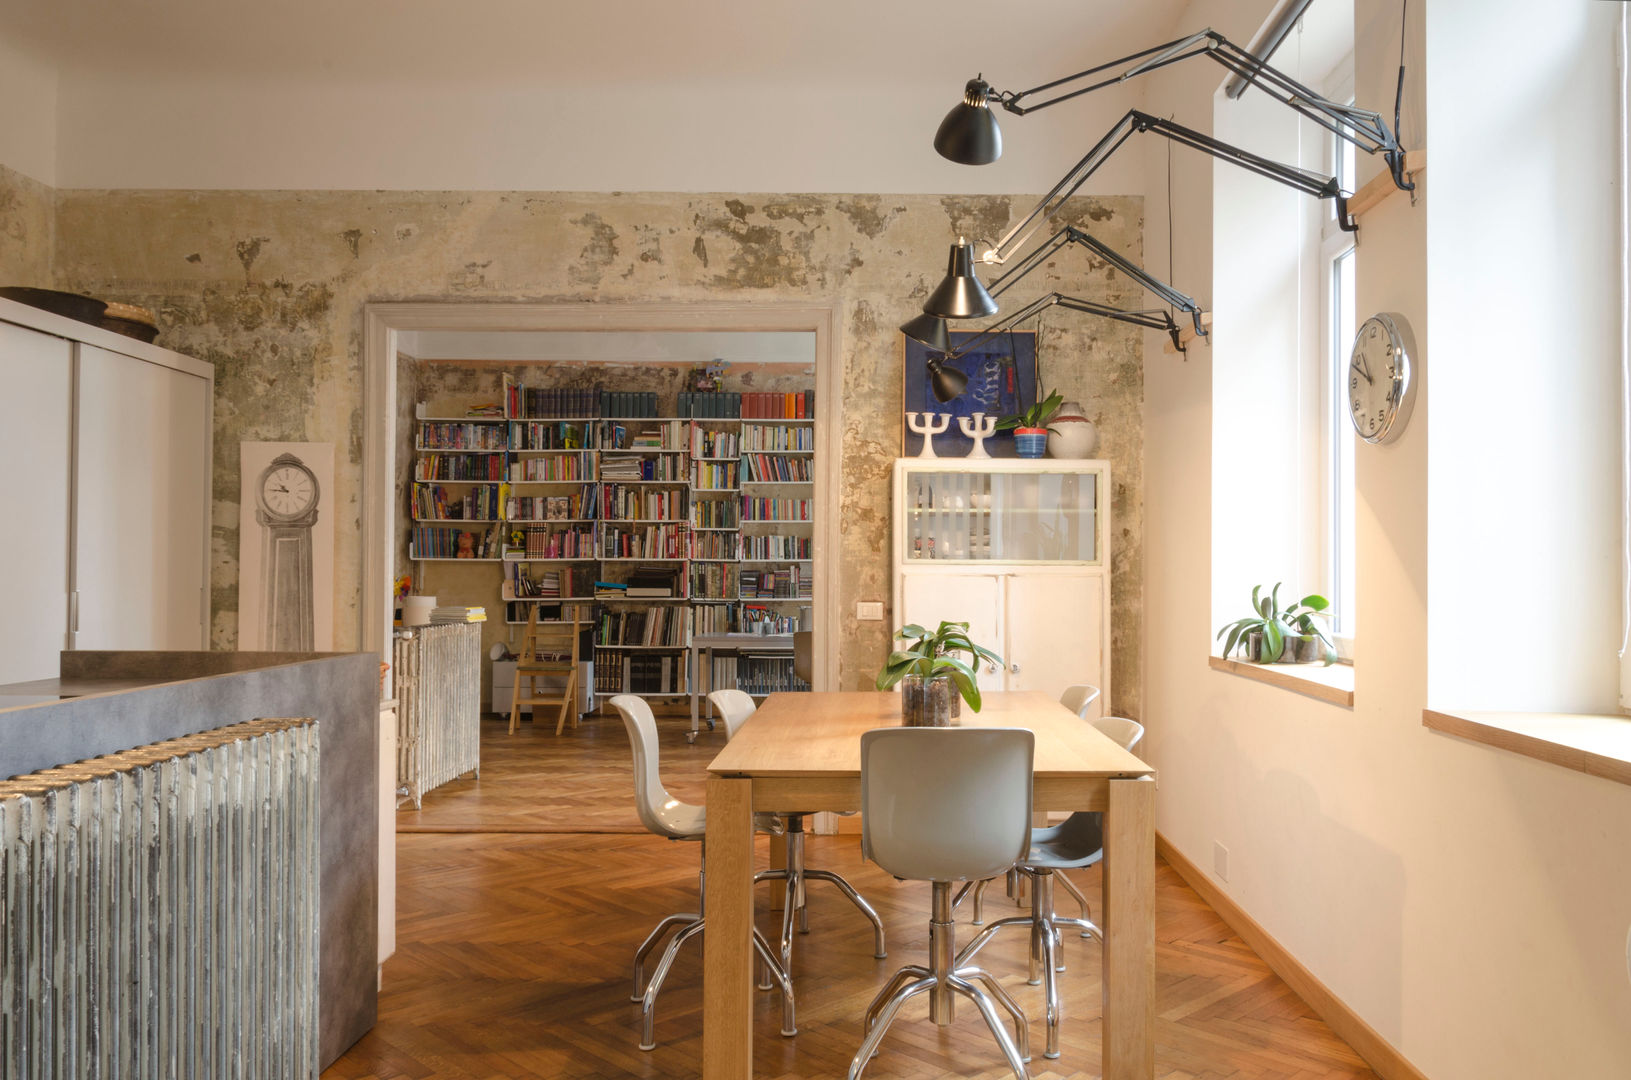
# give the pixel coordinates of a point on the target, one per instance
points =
(383, 322)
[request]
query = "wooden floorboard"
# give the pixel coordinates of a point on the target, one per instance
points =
(522, 896)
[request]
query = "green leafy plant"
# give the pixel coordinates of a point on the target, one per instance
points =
(1269, 632)
(930, 653)
(1037, 416)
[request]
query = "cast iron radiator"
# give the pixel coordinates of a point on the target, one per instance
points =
(160, 910)
(438, 701)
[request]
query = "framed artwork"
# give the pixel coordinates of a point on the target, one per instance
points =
(286, 547)
(1001, 381)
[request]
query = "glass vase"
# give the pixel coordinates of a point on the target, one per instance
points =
(926, 702)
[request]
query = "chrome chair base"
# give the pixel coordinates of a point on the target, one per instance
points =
(944, 980)
(1047, 958)
(794, 906)
(688, 926)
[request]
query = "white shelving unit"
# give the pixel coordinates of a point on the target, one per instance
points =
(710, 497)
(1019, 549)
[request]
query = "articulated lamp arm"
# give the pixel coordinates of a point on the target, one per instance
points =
(1155, 319)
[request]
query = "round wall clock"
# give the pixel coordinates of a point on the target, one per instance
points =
(288, 489)
(1382, 377)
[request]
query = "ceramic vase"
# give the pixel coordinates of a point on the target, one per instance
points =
(1073, 435)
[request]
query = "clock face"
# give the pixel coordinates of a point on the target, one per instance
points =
(1380, 384)
(288, 491)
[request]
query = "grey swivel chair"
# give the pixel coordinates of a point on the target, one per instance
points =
(666, 816)
(735, 706)
(1075, 698)
(1076, 842)
(920, 821)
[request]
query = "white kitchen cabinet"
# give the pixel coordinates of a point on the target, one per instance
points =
(1019, 550)
(117, 434)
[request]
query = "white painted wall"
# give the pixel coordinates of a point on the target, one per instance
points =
(28, 118)
(1471, 905)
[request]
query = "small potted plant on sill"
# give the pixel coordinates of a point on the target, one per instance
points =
(1273, 636)
(1030, 427)
(929, 674)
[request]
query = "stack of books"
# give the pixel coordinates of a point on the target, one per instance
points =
(440, 616)
(654, 581)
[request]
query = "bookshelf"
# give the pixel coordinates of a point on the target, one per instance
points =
(604, 501)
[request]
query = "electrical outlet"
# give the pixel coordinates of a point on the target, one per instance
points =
(869, 610)
(1220, 861)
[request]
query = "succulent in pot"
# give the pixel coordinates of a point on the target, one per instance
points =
(931, 677)
(1275, 636)
(1030, 426)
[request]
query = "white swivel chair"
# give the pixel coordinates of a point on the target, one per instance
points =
(735, 706)
(666, 816)
(1075, 698)
(1076, 842)
(944, 805)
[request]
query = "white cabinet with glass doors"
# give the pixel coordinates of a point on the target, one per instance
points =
(1018, 549)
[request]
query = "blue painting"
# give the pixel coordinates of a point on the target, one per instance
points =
(1001, 381)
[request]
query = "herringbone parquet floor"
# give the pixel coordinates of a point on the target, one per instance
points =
(516, 931)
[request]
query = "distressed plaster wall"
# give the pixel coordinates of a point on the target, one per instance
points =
(269, 287)
(27, 220)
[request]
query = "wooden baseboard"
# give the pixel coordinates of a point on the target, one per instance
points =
(1348, 1025)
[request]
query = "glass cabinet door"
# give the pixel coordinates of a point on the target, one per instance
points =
(1006, 517)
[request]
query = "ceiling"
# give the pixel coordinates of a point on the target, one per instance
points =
(624, 41)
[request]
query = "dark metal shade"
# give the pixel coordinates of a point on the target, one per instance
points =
(928, 330)
(969, 134)
(946, 382)
(960, 295)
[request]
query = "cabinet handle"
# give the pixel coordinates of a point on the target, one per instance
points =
(1014, 668)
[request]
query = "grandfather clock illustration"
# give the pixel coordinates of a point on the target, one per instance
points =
(287, 510)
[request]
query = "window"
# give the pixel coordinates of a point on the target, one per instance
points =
(1337, 264)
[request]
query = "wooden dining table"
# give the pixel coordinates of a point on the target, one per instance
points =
(802, 752)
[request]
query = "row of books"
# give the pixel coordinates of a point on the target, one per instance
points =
(621, 503)
(654, 581)
(715, 475)
(714, 444)
(715, 545)
(518, 611)
(543, 543)
(712, 581)
(528, 402)
(714, 619)
(556, 468)
(659, 541)
(756, 509)
(797, 405)
(774, 468)
(715, 514)
(786, 583)
(466, 467)
(543, 435)
(657, 625)
(762, 548)
(667, 435)
(433, 542)
(774, 437)
(548, 508)
(615, 466)
(767, 673)
(640, 673)
(432, 502)
(451, 436)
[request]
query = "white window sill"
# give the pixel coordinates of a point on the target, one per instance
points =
(1598, 745)
(1334, 684)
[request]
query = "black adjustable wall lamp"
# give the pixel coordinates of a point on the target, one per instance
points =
(969, 134)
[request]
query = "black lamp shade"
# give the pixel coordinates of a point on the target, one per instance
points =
(929, 331)
(960, 295)
(946, 382)
(969, 134)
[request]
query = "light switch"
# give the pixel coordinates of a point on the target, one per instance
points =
(869, 610)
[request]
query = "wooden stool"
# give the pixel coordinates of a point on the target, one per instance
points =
(548, 650)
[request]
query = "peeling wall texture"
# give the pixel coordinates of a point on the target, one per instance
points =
(27, 217)
(269, 287)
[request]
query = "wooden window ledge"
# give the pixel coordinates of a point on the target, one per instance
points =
(1334, 684)
(1598, 745)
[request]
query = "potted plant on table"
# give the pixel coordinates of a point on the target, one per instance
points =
(1273, 636)
(929, 672)
(1030, 427)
